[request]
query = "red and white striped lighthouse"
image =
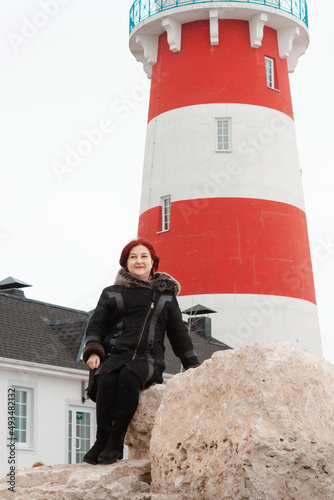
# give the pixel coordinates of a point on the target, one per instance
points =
(222, 197)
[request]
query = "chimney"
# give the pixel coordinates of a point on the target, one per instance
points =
(201, 325)
(12, 286)
(198, 322)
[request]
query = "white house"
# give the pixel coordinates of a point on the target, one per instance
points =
(42, 382)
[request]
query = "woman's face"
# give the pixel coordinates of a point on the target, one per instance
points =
(140, 262)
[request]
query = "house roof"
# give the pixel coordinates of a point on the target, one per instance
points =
(48, 334)
(204, 348)
(39, 332)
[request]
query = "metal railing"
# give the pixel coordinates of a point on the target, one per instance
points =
(142, 9)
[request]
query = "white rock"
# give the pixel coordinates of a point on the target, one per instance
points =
(140, 429)
(255, 423)
(118, 481)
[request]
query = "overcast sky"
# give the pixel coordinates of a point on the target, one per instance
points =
(65, 217)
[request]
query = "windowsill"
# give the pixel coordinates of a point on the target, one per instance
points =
(24, 448)
(164, 231)
(223, 151)
(272, 88)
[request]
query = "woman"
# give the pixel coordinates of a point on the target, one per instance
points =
(125, 344)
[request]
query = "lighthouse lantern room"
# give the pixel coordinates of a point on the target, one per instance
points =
(222, 197)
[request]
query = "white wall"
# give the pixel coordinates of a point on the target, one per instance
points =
(245, 319)
(52, 390)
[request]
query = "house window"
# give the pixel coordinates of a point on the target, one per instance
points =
(23, 416)
(270, 72)
(223, 128)
(166, 210)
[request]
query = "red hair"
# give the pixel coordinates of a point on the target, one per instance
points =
(127, 249)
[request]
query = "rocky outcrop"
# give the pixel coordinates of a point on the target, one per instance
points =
(128, 479)
(139, 432)
(255, 423)
(125, 480)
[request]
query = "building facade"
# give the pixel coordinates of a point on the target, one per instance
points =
(45, 416)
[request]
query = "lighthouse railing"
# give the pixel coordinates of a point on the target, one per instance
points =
(143, 9)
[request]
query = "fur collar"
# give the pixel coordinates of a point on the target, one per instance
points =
(161, 282)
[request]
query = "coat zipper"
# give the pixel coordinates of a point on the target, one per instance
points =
(143, 327)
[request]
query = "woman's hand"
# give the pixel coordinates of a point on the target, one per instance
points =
(93, 361)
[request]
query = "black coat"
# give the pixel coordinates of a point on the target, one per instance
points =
(128, 328)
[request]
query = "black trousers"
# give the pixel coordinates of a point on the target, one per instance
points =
(117, 400)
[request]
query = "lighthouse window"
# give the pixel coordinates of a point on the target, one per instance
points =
(166, 210)
(270, 73)
(223, 126)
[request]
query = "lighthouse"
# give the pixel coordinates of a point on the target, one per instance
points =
(222, 198)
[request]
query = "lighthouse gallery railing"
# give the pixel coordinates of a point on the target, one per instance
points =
(142, 9)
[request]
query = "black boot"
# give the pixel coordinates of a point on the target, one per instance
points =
(100, 443)
(113, 450)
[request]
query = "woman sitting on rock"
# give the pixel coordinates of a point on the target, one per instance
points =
(125, 344)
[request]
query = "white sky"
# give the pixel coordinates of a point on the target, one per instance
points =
(74, 74)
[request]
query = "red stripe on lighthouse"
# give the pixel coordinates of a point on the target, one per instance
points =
(234, 245)
(232, 71)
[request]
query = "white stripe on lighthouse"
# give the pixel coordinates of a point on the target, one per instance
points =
(246, 319)
(182, 161)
